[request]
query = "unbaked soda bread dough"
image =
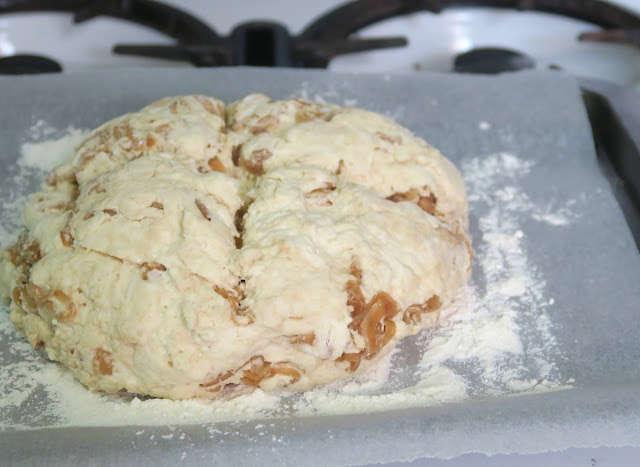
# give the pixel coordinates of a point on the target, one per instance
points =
(193, 250)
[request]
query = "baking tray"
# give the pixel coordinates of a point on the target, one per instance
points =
(590, 267)
(614, 115)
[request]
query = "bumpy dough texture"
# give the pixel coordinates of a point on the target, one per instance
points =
(195, 251)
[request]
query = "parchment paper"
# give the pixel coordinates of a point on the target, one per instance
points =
(591, 268)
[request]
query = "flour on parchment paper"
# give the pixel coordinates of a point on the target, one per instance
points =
(47, 155)
(501, 342)
(325, 95)
(494, 340)
(38, 156)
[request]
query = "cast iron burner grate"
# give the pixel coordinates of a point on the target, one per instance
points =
(271, 44)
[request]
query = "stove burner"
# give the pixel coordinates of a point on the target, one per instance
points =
(259, 44)
(262, 44)
(28, 65)
(271, 44)
(492, 61)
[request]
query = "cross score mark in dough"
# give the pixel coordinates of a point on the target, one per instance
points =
(193, 250)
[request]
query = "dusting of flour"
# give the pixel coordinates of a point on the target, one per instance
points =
(47, 148)
(499, 338)
(495, 339)
(47, 155)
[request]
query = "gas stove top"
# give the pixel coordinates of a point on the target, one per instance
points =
(585, 37)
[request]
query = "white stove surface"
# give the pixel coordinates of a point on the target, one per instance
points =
(434, 40)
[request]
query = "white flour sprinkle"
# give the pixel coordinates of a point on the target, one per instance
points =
(36, 160)
(316, 93)
(40, 130)
(503, 337)
(47, 155)
(495, 339)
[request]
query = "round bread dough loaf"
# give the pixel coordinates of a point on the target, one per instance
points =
(190, 250)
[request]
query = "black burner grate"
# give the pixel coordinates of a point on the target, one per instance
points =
(271, 44)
